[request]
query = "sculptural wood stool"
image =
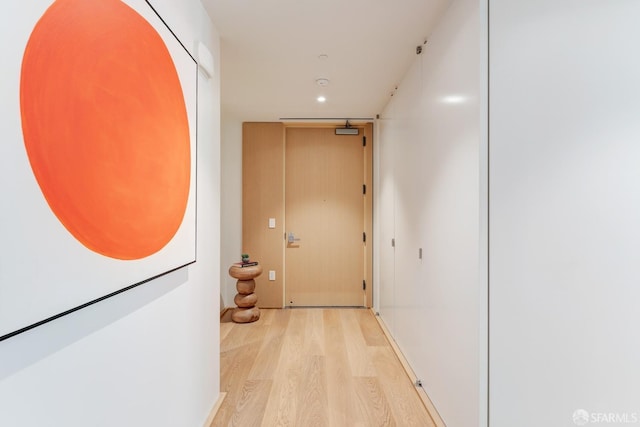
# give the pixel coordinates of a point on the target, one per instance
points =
(245, 298)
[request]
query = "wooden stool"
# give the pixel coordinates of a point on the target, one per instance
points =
(245, 298)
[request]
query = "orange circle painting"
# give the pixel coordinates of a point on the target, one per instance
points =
(105, 127)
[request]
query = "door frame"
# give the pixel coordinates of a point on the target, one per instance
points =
(263, 155)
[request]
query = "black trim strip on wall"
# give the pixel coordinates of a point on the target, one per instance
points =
(170, 30)
(87, 304)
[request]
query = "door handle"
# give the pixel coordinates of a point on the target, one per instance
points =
(291, 238)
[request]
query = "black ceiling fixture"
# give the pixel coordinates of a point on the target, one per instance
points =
(347, 129)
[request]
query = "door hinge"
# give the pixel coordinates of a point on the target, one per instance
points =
(364, 188)
(393, 243)
(364, 237)
(364, 141)
(364, 285)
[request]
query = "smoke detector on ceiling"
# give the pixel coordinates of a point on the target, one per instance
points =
(322, 82)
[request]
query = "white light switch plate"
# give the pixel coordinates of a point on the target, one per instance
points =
(272, 223)
(272, 275)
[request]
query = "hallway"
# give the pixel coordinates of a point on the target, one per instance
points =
(314, 367)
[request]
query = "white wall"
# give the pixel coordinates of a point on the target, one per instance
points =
(429, 197)
(231, 213)
(564, 209)
(149, 356)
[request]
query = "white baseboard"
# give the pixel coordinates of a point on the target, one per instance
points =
(426, 401)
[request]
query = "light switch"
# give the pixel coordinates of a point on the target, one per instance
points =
(272, 223)
(272, 275)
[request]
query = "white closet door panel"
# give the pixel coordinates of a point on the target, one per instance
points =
(564, 209)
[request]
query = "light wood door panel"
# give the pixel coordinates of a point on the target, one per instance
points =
(263, 198)
(324, 208)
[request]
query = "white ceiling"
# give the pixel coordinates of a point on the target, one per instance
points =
(270, 54)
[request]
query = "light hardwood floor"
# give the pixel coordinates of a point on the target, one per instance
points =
(314, 367)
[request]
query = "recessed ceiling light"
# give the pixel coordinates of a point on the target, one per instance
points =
(321, 98)
(323, 57)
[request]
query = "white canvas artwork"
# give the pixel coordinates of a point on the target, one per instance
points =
(97, 157)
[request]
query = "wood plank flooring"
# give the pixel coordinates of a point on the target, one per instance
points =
(314, 367)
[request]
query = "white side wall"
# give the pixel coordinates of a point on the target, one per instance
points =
(231, 213)
(429, 197)
(149, 356)
(565, 212)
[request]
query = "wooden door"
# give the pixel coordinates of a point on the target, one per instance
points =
(325, 210)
